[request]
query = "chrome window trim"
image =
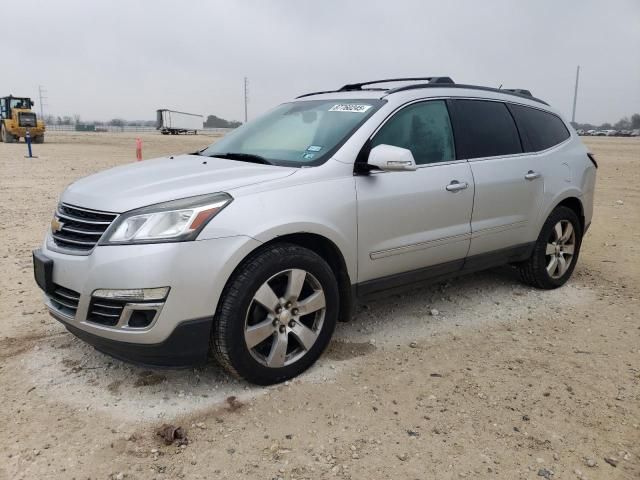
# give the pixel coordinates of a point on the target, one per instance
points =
(514, 120)
(465, 97)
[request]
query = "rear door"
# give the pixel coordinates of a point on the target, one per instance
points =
(408, 221)
(508, 185)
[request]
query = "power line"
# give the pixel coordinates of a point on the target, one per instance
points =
(575, 95)
(42, 96)
(246, 97)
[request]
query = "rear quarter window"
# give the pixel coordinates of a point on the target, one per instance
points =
(539, 129)
(484, 129)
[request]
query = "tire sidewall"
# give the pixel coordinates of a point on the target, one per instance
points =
(560, 213)
(259, 272)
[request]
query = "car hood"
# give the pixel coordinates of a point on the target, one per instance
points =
(145, 183)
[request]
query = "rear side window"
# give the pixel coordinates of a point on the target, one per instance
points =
(484, 129)
(540, 130)
(424, 128)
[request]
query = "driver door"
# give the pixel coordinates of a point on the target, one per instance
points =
(414, 224)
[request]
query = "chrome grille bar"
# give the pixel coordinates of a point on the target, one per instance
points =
(79, 229)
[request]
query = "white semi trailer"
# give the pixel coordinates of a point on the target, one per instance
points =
(171, 122)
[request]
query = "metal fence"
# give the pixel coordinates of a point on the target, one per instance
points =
(129, 129)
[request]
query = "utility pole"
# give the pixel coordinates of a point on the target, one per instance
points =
(246, 97)
(42, 96)
(575, 95)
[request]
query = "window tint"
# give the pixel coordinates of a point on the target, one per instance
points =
(424, 128)
(484, 129)
(299, 133)
(540, 130)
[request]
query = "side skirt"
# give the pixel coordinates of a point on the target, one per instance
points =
(443, 271)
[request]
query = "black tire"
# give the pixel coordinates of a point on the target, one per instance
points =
(534, 270)
(228, 343)
(38, 139)
(6, 136)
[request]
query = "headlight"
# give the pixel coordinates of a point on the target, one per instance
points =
(174, 221)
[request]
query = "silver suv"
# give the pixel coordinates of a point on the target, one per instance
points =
(253, 248)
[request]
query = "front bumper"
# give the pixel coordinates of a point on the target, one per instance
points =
(187, 345)
(22, 131)
(196, 273)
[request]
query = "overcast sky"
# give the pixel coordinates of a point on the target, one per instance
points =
(117, 58)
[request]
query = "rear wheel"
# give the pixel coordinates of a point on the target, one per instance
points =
(276, 315)
(38, 139)
(556, 251)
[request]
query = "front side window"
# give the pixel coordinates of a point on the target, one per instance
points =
(484, 129)
(540, 130)
(296, 134)
(424, 128)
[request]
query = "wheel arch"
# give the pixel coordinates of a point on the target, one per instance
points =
(575, 204)
(327, 250)
(572, 199)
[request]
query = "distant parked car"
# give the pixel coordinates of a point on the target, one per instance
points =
(624, 133)
(635, 133)
(580, 132)
(611, 133)
(600, 133)
(592, 132)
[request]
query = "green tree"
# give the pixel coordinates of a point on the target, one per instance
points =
(216, 122)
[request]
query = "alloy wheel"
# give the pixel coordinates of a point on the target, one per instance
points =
(560, 249)
(285, 318)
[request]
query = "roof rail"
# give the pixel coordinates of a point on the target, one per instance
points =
(352, 87)
(432, 82)
(515, 92)
(521, 91)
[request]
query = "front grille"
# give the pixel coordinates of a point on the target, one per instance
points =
(27, 119)
(79, 228)
(105, 311)
(65, 300)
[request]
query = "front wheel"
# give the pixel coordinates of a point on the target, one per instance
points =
(556, 251)
(6, 136)
(276, 315)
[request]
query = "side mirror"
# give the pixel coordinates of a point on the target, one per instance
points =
(391, 159)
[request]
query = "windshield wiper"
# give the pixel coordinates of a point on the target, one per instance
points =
(244, 157)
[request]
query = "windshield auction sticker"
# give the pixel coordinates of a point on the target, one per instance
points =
(349, 107)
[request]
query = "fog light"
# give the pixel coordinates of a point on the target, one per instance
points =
(135, 294)
(141, 318)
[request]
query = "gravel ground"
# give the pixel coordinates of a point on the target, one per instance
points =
(479, 377)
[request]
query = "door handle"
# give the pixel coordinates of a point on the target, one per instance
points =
(456, 186)
(531, 175)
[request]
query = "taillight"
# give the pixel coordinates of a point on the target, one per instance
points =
(592, 157)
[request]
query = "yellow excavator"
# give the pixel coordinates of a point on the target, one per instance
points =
(16, 118)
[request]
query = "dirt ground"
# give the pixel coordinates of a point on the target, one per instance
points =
(479, 377)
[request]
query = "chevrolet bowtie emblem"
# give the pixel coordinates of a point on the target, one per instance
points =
(56, 225)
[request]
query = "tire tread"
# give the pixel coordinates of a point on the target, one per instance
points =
(234, 290)
(532, 271)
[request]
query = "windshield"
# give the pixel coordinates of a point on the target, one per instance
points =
(20, 103)
(296, 134)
